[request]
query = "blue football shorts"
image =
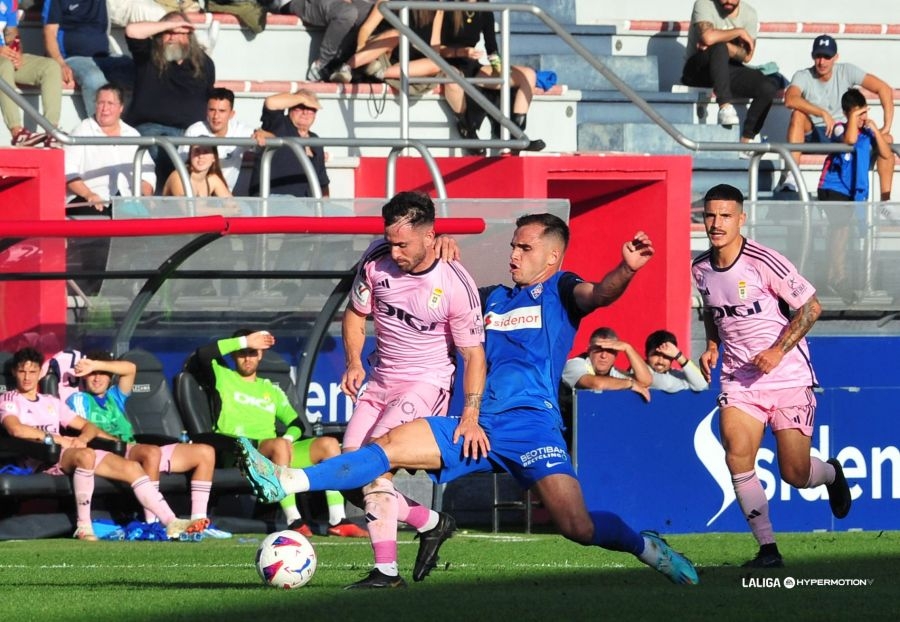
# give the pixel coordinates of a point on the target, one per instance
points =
(525, 442)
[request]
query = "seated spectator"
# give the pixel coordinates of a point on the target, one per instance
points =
(661, 349)
(814, 98)
(220, 123)
(721, 41)
(27, 414)
(206, 175)
(103, 404)
(377, 51)
(459, 34)
(845, 177)
(17, 67)
(340, 19)
(173, 78)
(249, 406)
(595, 369)
(288, 178)
(75, 36)
(96, 173)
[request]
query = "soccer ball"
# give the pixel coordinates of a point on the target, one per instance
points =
(286, 559)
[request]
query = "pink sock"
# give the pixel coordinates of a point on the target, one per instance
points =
(411, 513)
(752, 499)
(83, 483)
(152, 499)
(199, 498)
(819, 473)
(381, 519)
(150, 517)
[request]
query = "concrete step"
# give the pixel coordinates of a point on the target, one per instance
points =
(640, 72)
(613, 107)
(650, 138)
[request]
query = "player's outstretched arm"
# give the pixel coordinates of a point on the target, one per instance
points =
(635, 255)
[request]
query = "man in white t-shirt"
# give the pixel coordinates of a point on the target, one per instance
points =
(220, 123)
(596, 369)
(814, 97)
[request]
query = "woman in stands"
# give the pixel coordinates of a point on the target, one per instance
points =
(459, 34)
(205, 172)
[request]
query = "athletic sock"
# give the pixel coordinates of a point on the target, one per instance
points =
(149, 516)
(752, 499)
(414, 514)
(611, 533)
(344, 472)
(819, 473)
(381, 520)
(199, 498)
(289, 507)
(152, 499)
(390, 569)
(83, 484)
(336, 511)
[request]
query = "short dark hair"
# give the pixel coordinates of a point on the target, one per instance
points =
(99, 355)
(656, 339)
(26, 355)
(222, 93)
(242, 332)
(853, 98)
(553, 226)
(604, 332)
(414, 208)
(724, 192)
(112, 88)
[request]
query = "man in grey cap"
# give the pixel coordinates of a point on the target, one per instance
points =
(814, 97)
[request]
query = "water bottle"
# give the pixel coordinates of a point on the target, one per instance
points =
(496, 64)
(318, 428)
(184, 437)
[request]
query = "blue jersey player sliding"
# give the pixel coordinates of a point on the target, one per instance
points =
(529, 330)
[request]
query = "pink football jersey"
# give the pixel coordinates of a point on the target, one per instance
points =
(46, 413)
(420, 318)
(749, 303)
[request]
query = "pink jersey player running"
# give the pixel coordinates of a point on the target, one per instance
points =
(425, 311)
(767, 376)
(27, 414)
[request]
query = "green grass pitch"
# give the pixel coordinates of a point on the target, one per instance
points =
(505, 578)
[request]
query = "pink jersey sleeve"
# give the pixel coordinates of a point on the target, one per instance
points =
(791, 287)
(361, 292)
(464, 314)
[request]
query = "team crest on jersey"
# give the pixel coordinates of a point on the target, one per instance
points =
(361, 293)
(742, 290)
(435, 299)
(12, 408)
(536, 291)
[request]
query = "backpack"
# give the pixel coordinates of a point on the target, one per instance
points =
(62, 366)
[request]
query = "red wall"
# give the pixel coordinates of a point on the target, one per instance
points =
(32, 187)
(611, 197)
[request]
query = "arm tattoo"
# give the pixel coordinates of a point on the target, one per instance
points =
(472, 400)
(802, 321)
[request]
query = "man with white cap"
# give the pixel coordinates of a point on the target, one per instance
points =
(814, 97)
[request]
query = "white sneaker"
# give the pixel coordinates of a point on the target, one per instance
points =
(728, 115)
(788, 184)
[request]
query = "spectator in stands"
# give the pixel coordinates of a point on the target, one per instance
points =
(721, 41)
(845, 177)
(413, 366)
(96, 173)
(814, 97)
(220, 123)
(595, 369)
(17, 67)
(661, 348)
(340, 19)
(103, 403)
(205, 173)
(173, 79)
(27, 414)
(287, 176)
(248, 405)
(377, 50)
(124, 12)
(459, 32)
(75, 36)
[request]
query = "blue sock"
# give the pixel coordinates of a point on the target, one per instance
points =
(350, 470)
(611, 532)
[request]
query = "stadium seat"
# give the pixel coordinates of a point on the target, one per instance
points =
(7, 382)
(151, 408)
